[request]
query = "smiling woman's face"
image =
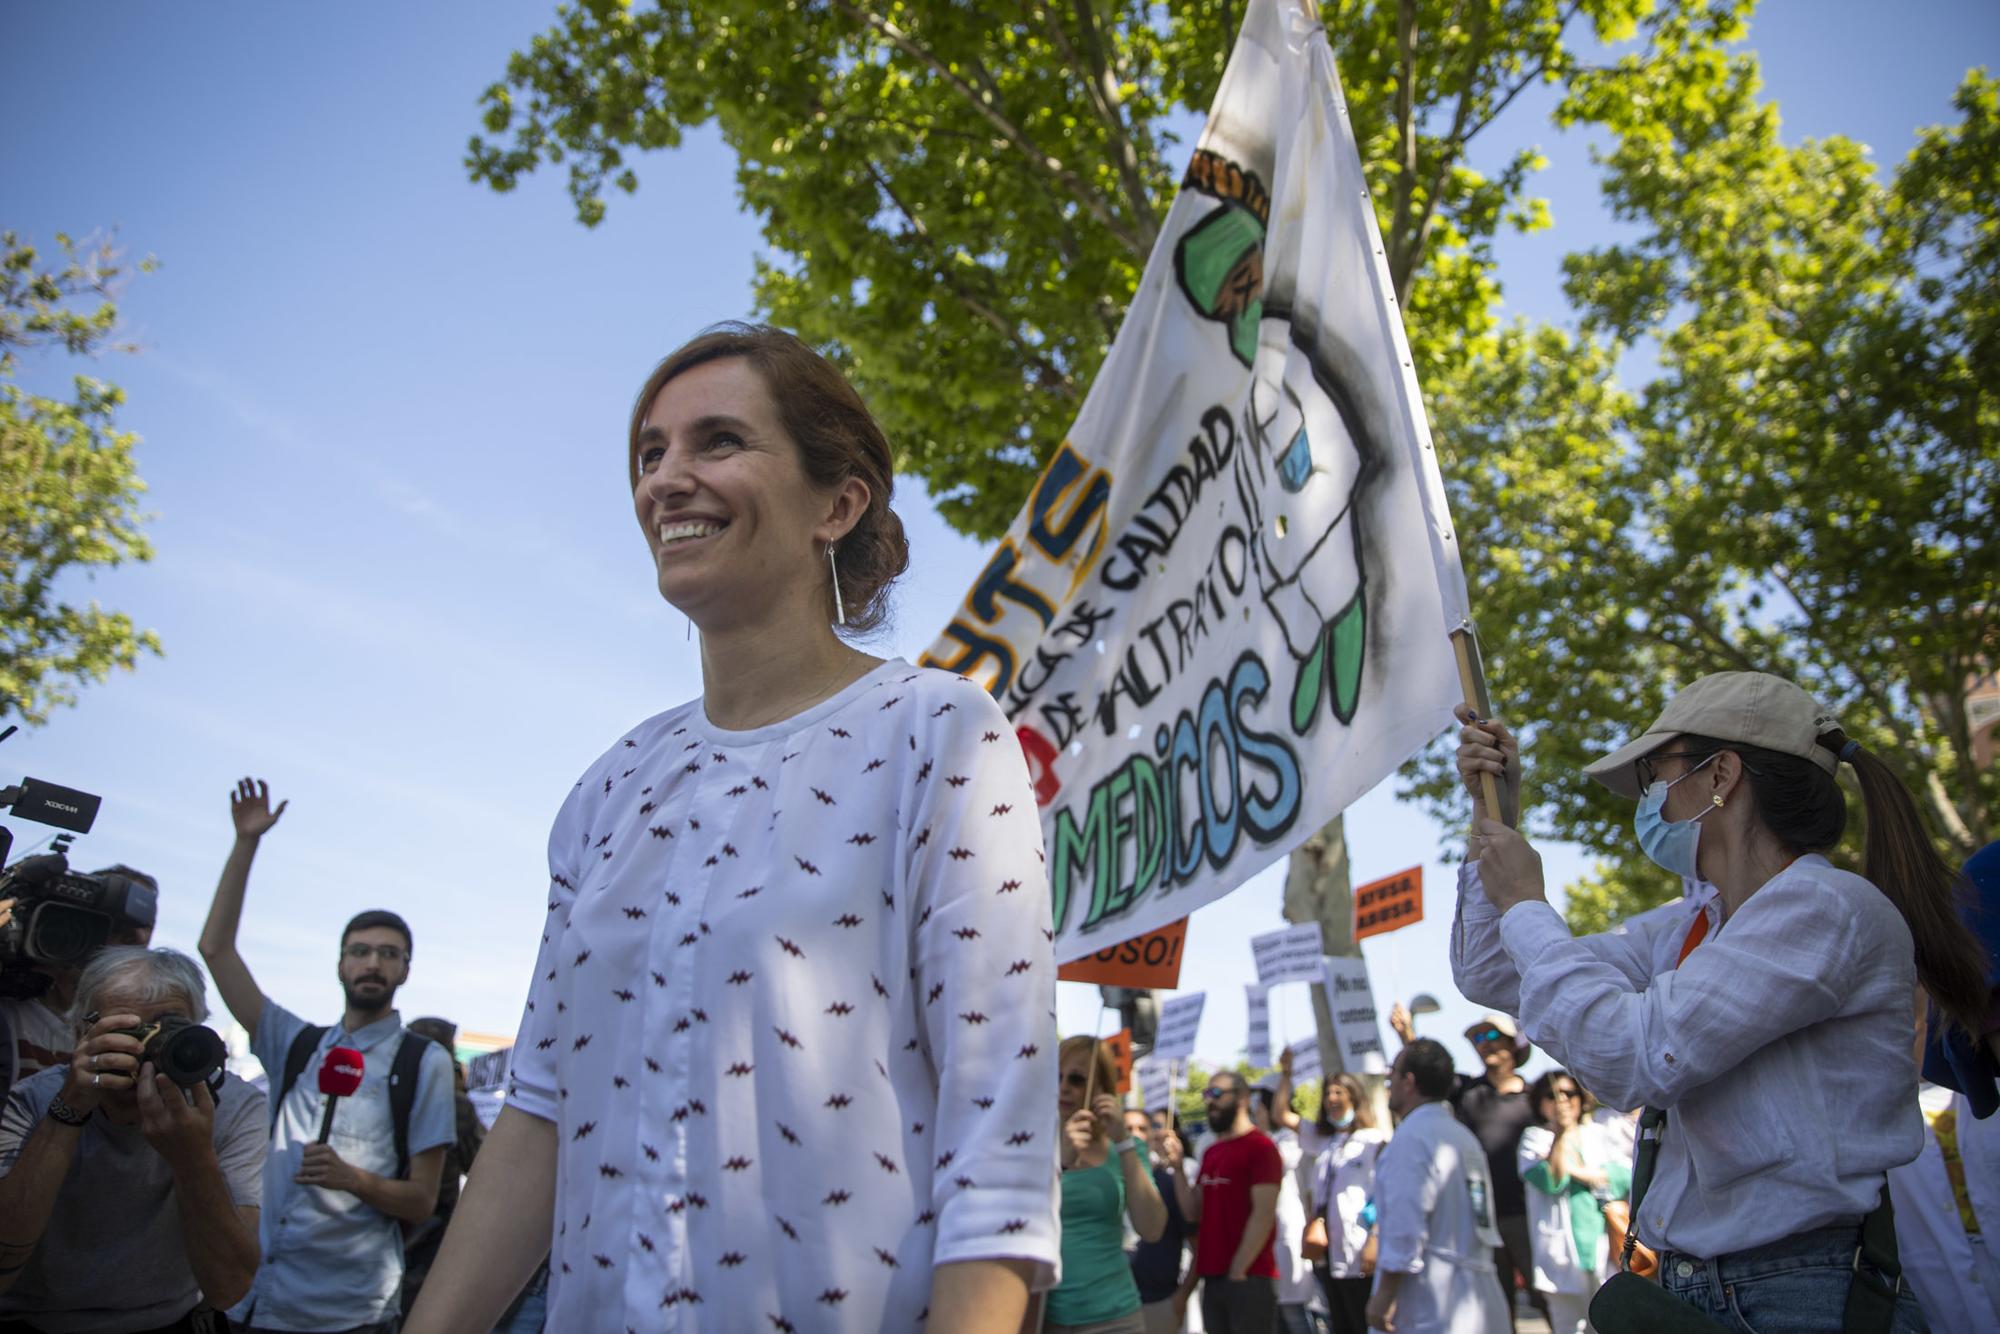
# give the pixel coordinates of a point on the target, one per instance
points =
(733, 524)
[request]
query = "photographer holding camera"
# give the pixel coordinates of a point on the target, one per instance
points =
(129, 1200)
(341, 1179)
(36, 994)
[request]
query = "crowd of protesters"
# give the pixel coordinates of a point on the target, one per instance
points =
(789, 1061)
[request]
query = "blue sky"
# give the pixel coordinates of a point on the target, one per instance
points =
(383, 418)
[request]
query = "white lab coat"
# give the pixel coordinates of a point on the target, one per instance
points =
(1434, 1206)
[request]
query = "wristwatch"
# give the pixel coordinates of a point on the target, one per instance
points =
(66, 1114)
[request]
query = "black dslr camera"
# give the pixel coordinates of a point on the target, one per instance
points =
(180, 1049)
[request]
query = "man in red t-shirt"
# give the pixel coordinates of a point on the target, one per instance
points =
(1235, 1202)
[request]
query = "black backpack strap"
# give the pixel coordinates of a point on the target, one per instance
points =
(296, 1057)
(403, 1073)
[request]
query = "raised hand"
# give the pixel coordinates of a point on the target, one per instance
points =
(1399, 1020)
(1110, 1117)
(1510, 869)
(250, 809)
(1485, 746)
(1078, 1132)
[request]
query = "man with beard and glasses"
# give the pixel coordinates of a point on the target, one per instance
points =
(333, 1212)
(1234, 1202)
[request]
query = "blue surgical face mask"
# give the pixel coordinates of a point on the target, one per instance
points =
(1669, 844)
(1343, 1121)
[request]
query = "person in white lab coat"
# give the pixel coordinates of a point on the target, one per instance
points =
(1434, 1270)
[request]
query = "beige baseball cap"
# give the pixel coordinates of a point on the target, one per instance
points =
(1753, 708)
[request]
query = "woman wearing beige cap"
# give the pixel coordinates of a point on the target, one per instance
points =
(1764, 1018)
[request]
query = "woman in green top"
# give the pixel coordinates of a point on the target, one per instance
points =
(1102, 1181)
(1569, 1170)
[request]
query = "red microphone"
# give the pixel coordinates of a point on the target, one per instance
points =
(339, 1077)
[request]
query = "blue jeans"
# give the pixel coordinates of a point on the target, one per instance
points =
(1797, 1284)
(1301, 1319)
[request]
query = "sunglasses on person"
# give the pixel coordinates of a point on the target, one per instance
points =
(1568, 1095)
(1487, 1035)
(1076, 1079)
(1211, 1094)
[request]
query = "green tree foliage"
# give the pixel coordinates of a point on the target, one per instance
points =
(958, 201)
(1808, 484)
(69, 489)
(960, 198)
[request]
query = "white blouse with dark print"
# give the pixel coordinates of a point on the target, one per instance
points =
(793, 1015)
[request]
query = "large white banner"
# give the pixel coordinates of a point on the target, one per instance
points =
(1223, 614)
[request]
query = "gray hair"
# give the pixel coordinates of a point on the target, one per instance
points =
(160, 974)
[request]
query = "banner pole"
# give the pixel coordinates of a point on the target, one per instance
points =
(1472, 685)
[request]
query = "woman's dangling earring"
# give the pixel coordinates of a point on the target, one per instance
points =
(839, 611)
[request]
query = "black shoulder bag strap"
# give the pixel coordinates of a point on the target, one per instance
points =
(1621, 1304)
(1878, 1273)
(403, 1072)
(296, 1057)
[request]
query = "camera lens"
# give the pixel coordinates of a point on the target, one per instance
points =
(186, 1052)
(61, 934)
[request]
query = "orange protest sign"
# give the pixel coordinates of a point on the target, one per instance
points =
(1391, 902)
(1151, 960)
(1119, 1044)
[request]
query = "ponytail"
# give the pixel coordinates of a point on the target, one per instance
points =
(1903, 863)
(1802, 805)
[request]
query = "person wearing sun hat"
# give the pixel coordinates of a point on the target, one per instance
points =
(1765, 1019)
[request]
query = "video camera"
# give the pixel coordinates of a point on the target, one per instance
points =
(61, 917)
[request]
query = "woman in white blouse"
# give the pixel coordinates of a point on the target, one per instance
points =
(789, 1046)
(1566, 1164)
(1768, 1012)
(1343, 1184)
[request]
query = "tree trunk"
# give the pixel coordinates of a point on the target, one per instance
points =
(1319, 889)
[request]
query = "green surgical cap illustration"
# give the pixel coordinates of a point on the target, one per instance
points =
(1203, 261)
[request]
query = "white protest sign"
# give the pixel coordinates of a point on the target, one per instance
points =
(1222, 614)
(1258, 1051)
(1305, 1059)
(1352, 1001)
(1180, 1017)
(488, 1069)
(1288, 955)
(1156, 1083)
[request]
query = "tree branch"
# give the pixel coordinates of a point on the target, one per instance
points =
(1138, 201)
(985, 104)
(1447, 153)
(1406, 130)
(1047, 372)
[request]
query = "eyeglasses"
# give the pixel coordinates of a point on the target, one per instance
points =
(1643, 766)
(386, 953)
